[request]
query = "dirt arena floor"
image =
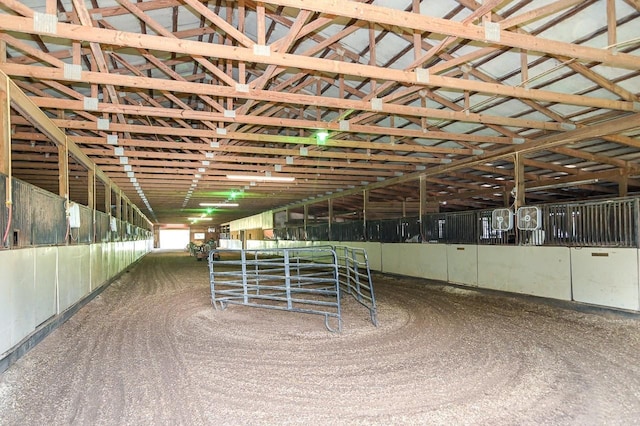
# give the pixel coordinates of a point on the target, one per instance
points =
(150, 350)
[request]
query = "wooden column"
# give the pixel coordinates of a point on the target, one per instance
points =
(63, 170)
(365, 205)
(422, 210)
(91, 200)
(623, 184)
(305, 219)
(91, 189)
(107, 198)
(5, 130)
(519, 180)
(119, 205)
(330, 201)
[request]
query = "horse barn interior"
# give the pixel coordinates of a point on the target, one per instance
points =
(481, 157)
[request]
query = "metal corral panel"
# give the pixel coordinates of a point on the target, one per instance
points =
(46, 271)
(606, 277)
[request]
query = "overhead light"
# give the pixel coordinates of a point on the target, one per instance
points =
(219, 204)
(199, 218)
(321, 137)
(258, 178)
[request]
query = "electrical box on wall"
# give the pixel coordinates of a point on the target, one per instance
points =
(74, 215)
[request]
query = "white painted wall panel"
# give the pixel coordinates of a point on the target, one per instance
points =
(113, 261)
(462, 264)
(105, 261)
(374, 252)
(46, 281)
(96, 265)
(606, 276)
(538, 271)
(17, 293)
(231, 244)
(415, 260)
(74, 279)
(261, 244)
(36, 282)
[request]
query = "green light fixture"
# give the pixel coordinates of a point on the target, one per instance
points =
(321, 137)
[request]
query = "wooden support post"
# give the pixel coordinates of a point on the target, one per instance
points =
(91, 189)
(519, 180)
(330, 201)
(305, 219)
(63, 170)
(422, 210)
(91, 200)
(119, 205)
(5, 129)
(107, 198)
(623, 184)
(365, 205)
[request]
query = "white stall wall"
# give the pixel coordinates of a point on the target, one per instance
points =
(46, 281)
(415, 260)
(462, 264)
(39, 283)
(17, 295)
(538, 271)
(606, 276)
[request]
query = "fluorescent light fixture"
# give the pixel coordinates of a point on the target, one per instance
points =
(258, 178)
(199, 218)
(219, 204)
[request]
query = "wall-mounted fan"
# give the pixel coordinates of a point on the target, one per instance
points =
(501, 220)
(529, 218)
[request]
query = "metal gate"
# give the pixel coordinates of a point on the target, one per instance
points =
(297, 280)
(355, 277)
(304, 280)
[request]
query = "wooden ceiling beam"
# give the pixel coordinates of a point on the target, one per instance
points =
(199, 49)
(285, 98)
(424, 23)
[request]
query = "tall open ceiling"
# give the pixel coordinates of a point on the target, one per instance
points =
(168, 97)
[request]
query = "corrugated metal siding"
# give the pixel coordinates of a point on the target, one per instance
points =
(102, 227)
(48, 220)
(20, 233)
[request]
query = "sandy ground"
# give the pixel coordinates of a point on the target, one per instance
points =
(151, 350)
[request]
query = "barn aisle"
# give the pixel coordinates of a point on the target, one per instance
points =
(151, 350)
